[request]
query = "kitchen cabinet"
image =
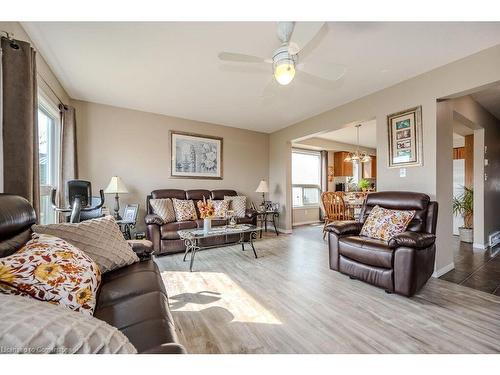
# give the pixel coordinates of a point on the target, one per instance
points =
(341, 168)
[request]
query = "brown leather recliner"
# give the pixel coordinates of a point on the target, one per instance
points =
(132, 298)
(164, 236)
(404, 263)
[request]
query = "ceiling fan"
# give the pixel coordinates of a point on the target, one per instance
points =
(297, 39)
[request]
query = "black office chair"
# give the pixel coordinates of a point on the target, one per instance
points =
(81, 203)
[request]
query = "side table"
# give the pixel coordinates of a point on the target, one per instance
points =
(268, 216)
(126, 226)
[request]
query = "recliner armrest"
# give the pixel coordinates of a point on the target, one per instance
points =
(171, 348)
(344, 228)
(143, 248)
(413, 240)
(153, 219)
(250, 213)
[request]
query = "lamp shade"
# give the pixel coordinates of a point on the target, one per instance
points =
(262, 188)
(116, 186)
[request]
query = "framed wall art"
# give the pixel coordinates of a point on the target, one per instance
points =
(405, 138)
(195, 156)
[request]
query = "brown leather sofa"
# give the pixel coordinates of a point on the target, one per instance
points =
(164, 236)
(404, 264)
(132, 299)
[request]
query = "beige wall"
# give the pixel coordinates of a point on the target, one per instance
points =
(135, 146)
(486, 217)
(305, 215)
(465, 74)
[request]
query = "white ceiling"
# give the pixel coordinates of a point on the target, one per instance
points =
(489, 99)
(367, 134)
(172, 67)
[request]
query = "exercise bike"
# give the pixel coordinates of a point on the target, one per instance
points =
(80, 200)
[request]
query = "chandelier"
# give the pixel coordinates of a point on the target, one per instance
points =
(357, 156)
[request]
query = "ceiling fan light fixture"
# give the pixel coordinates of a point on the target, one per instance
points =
(284, 72)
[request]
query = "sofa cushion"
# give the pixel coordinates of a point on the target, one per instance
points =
(237, 204)
(184, 210)
(145, 319)
(220, 207)
(169, 231)
(101, 239)
(384, 224)
(245, 220)
(367, 250)
(50, 269)
(215, 223)
(35, 327)
(164, 208)
(136, 279)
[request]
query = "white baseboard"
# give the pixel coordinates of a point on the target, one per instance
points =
(440, 272)
(306, 222)
(479, 246)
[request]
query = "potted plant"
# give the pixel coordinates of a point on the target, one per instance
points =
(364, 185)
(463, 205)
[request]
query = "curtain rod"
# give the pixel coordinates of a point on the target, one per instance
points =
(10, 37)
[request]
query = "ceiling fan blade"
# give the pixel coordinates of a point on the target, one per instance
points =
(319, 82)
(303, 33)
(323, 70)
(271, 89)
(239, 57)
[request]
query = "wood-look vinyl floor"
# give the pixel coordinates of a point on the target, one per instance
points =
(289, 301)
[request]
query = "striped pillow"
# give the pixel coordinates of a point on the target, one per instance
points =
(164, 208)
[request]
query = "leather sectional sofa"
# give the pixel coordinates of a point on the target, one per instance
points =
(164, 236)
(405, 263)
(132, 299)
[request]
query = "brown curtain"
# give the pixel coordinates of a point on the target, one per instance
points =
(19, 121)
(68, 154)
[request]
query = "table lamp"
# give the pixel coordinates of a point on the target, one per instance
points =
(263, 188)
(116, 186)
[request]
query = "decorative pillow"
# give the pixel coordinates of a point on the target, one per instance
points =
(184, 210)
(101, 239)
(385, 224)
(220, 207)
(49, 269)
(238, 203)
(30, 326)
(164, 209)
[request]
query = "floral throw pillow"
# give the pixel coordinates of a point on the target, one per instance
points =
(238, 203)
(184, 210)
(384, 224)
(50, 269)
(220, 207)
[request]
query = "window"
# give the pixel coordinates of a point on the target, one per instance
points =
(48, 152)
(306, 178)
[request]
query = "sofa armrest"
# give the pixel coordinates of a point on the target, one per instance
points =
(171, 348)
(344, 228)
(153, 219)
(413, 240)
(250, 213)
(143, 248)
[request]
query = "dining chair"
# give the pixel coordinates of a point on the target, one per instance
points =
(334, 207)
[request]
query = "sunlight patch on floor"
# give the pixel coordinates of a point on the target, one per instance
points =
(198, 291)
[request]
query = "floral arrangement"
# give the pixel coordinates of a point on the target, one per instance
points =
(206, 209)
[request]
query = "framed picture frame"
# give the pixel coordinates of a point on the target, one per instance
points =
(130, 212)
(405, 138)
(195, 156)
